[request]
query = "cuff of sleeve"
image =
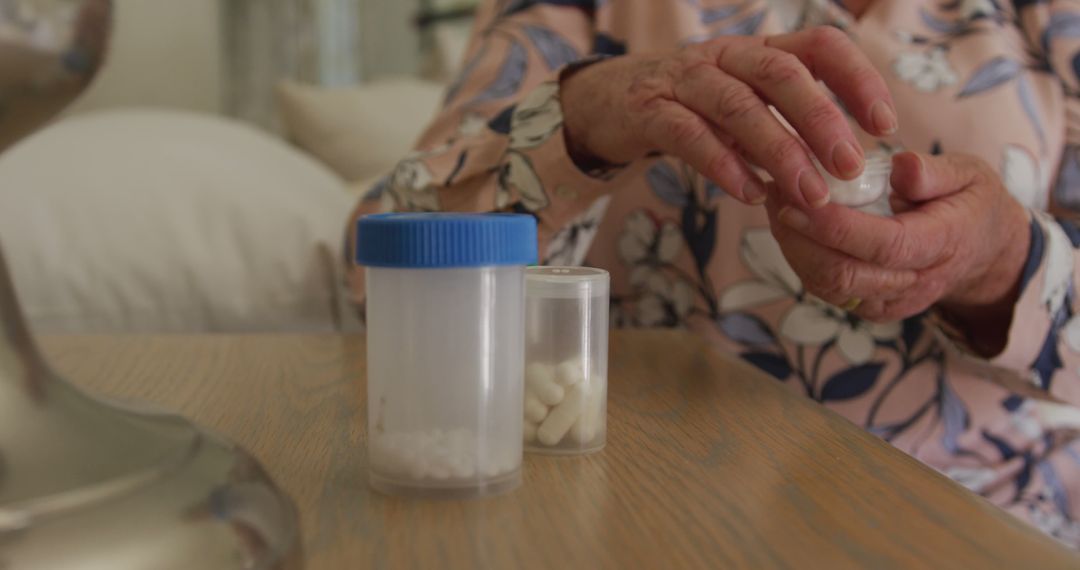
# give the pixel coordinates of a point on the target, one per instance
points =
(1029, 326)
(1044, 286)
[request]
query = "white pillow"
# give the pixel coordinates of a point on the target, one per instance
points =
(155, 221)
(359, 132)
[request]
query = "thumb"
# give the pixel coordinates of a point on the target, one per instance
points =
(922, 177)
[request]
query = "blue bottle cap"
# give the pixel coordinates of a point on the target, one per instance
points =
(432, 240)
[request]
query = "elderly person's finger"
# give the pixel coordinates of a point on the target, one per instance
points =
(784, 81)
(736, 109)
(922, 177)
(832, 57)
(911, 240)
(681, 132)
(837, 278)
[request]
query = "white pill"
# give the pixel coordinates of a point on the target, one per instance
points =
(540, 379)
(584, 429)
(463, 467)
(438, 470)
(530, 432)
(570, 372)
(418, 467)
(562, 417)
(535, 410)
(491, 467)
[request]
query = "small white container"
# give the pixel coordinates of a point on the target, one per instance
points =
(866, 188)
(566, 353)
(445, 333)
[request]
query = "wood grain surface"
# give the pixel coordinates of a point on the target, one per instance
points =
(709, 464)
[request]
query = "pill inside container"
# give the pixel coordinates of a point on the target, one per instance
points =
(566, 344)
(866, 188)
(445, 350)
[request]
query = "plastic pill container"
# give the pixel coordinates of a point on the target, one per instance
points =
(867, 188)
(566, 349)
(445, 350)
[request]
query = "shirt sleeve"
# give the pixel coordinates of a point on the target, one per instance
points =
(497, 144)
(1043, 342)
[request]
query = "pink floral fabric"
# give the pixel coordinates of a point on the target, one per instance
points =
(992, 78)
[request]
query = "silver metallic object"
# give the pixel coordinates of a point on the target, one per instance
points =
(84, 484)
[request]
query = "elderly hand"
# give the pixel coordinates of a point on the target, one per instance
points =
(708, 104)
(958, 239)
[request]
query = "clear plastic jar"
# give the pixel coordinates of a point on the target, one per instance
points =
(865, 189)
(445, 328)
(566, 346)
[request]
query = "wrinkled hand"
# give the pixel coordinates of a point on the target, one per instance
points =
(709, 105)
(957, 239)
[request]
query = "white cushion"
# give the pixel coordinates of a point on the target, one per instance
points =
(143, 220)
(359, 132)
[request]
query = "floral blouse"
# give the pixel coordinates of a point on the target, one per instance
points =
(992, 78)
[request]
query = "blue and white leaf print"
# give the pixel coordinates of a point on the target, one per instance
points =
(604, 44)
(1071, 231)
(1006, 450)
(1036, 251)
(464, 74)
(775, 365)
(666, 185)
(1067, 189)
(501, 123)
(555, 50)
(510, 77)
(712, 191)
(1057, 488)
(1031, 108)
(514, 6)
(992, 73)
(377, 190)
(746, 27)
(746, 328)
(938, 25)
(710, 15)
(1062, 25)
(954, 417)
(851, 382)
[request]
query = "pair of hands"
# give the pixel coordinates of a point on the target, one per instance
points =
(958, 238)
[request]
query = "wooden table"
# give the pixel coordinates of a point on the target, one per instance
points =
(709, 464)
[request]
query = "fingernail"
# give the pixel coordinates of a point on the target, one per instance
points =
(884, 118)
(847, 159)
(754, 192)
(813, 189)
(794, 218)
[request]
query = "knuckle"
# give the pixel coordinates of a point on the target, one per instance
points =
(780, 149)
(777, 67)
(684, 131)
(723, 164)
(821, 116)
(738, 100)
(827, 37)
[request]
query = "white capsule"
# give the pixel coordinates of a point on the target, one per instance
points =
(491, 467)
(438, 470)
(535, 410)
(463, 467)
(584, 429)
(570, 372)
(530, 432)
(540, 380)
(563, 416)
